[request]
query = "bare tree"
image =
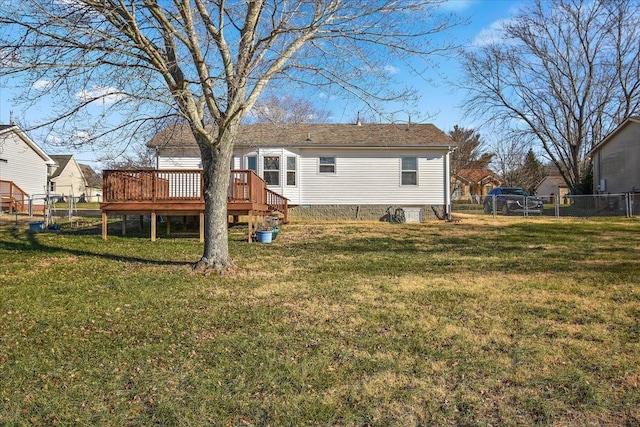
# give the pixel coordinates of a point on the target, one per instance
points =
(139, 156)
(287, 109)
(509, 156)
(562, 74)
(200, 59)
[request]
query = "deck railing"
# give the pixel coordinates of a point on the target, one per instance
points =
(12, 197)
(163, 185)
(151, 185)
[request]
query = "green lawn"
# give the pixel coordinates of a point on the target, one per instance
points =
(487, 321)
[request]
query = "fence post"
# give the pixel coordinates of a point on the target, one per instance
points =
(493, 205)
(556, 206)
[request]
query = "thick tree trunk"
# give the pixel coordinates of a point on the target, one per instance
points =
(216, 172)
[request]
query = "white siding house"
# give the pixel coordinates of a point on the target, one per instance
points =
(23, 162)
(616, 159)
(72, 179)
(333, 164)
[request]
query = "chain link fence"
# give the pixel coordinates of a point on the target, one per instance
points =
(592, 205)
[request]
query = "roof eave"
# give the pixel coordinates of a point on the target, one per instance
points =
(609, 137)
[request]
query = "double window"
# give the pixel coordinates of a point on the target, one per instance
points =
(327, 165)
(409, 171)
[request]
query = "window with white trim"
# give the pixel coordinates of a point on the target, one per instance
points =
(409, 171)
(327, 165)
(291, 171)
(252, 163)
(271, 170)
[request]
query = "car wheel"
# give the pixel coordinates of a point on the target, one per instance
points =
(487, 208)
(505, 209)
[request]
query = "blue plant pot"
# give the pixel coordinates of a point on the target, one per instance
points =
(264, 236)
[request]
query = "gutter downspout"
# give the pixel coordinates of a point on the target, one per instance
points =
(447, 183)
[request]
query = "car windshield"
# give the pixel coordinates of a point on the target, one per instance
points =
(514, 191)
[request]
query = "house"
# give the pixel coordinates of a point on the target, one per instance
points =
(552, 186)
(472, 184)
(351, 171)
(24, 169)
(71, 179)
(93, 183)
(616, 158)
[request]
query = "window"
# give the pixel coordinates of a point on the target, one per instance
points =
(252, 163)
(271, 170)
(291, 171)
(409, 171)
(327, 165)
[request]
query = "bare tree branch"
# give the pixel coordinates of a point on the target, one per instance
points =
(201, 60)
(565, 74)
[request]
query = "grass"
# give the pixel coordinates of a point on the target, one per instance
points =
(488, 321)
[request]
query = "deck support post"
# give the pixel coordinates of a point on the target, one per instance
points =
(201, 227)
(104, 225)
(153, 226)
(124, 225)
(250, 226)
(168, 226)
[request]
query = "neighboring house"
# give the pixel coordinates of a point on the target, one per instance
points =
(616, 159)
(473, 184)
(24, 167)
(71, 179)
(351, 167)
(93, 186)
(552, 186)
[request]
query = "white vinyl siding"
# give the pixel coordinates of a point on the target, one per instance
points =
(179, 163)
(371, 177)
(362, 176)
(26, 168)
(70, 181)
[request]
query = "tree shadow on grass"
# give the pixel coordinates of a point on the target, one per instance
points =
(33, 245)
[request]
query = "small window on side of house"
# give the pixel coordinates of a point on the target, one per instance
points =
(252, 163)
(327, 165)
(291, 171)
(409, 171)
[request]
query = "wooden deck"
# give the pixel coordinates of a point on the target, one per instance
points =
(12, 197)
(166, 192)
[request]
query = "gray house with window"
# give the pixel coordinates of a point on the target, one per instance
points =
(348, 167)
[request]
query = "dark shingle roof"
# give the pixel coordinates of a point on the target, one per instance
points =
(61, 160)
(90, 176)
(310, 135)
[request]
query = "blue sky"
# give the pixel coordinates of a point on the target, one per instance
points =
(440, 101)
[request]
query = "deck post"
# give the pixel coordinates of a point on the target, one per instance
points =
(153, 226)
(104, 225)
(168, 226)
(201, 227)
(124, 225)
(250, 226)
